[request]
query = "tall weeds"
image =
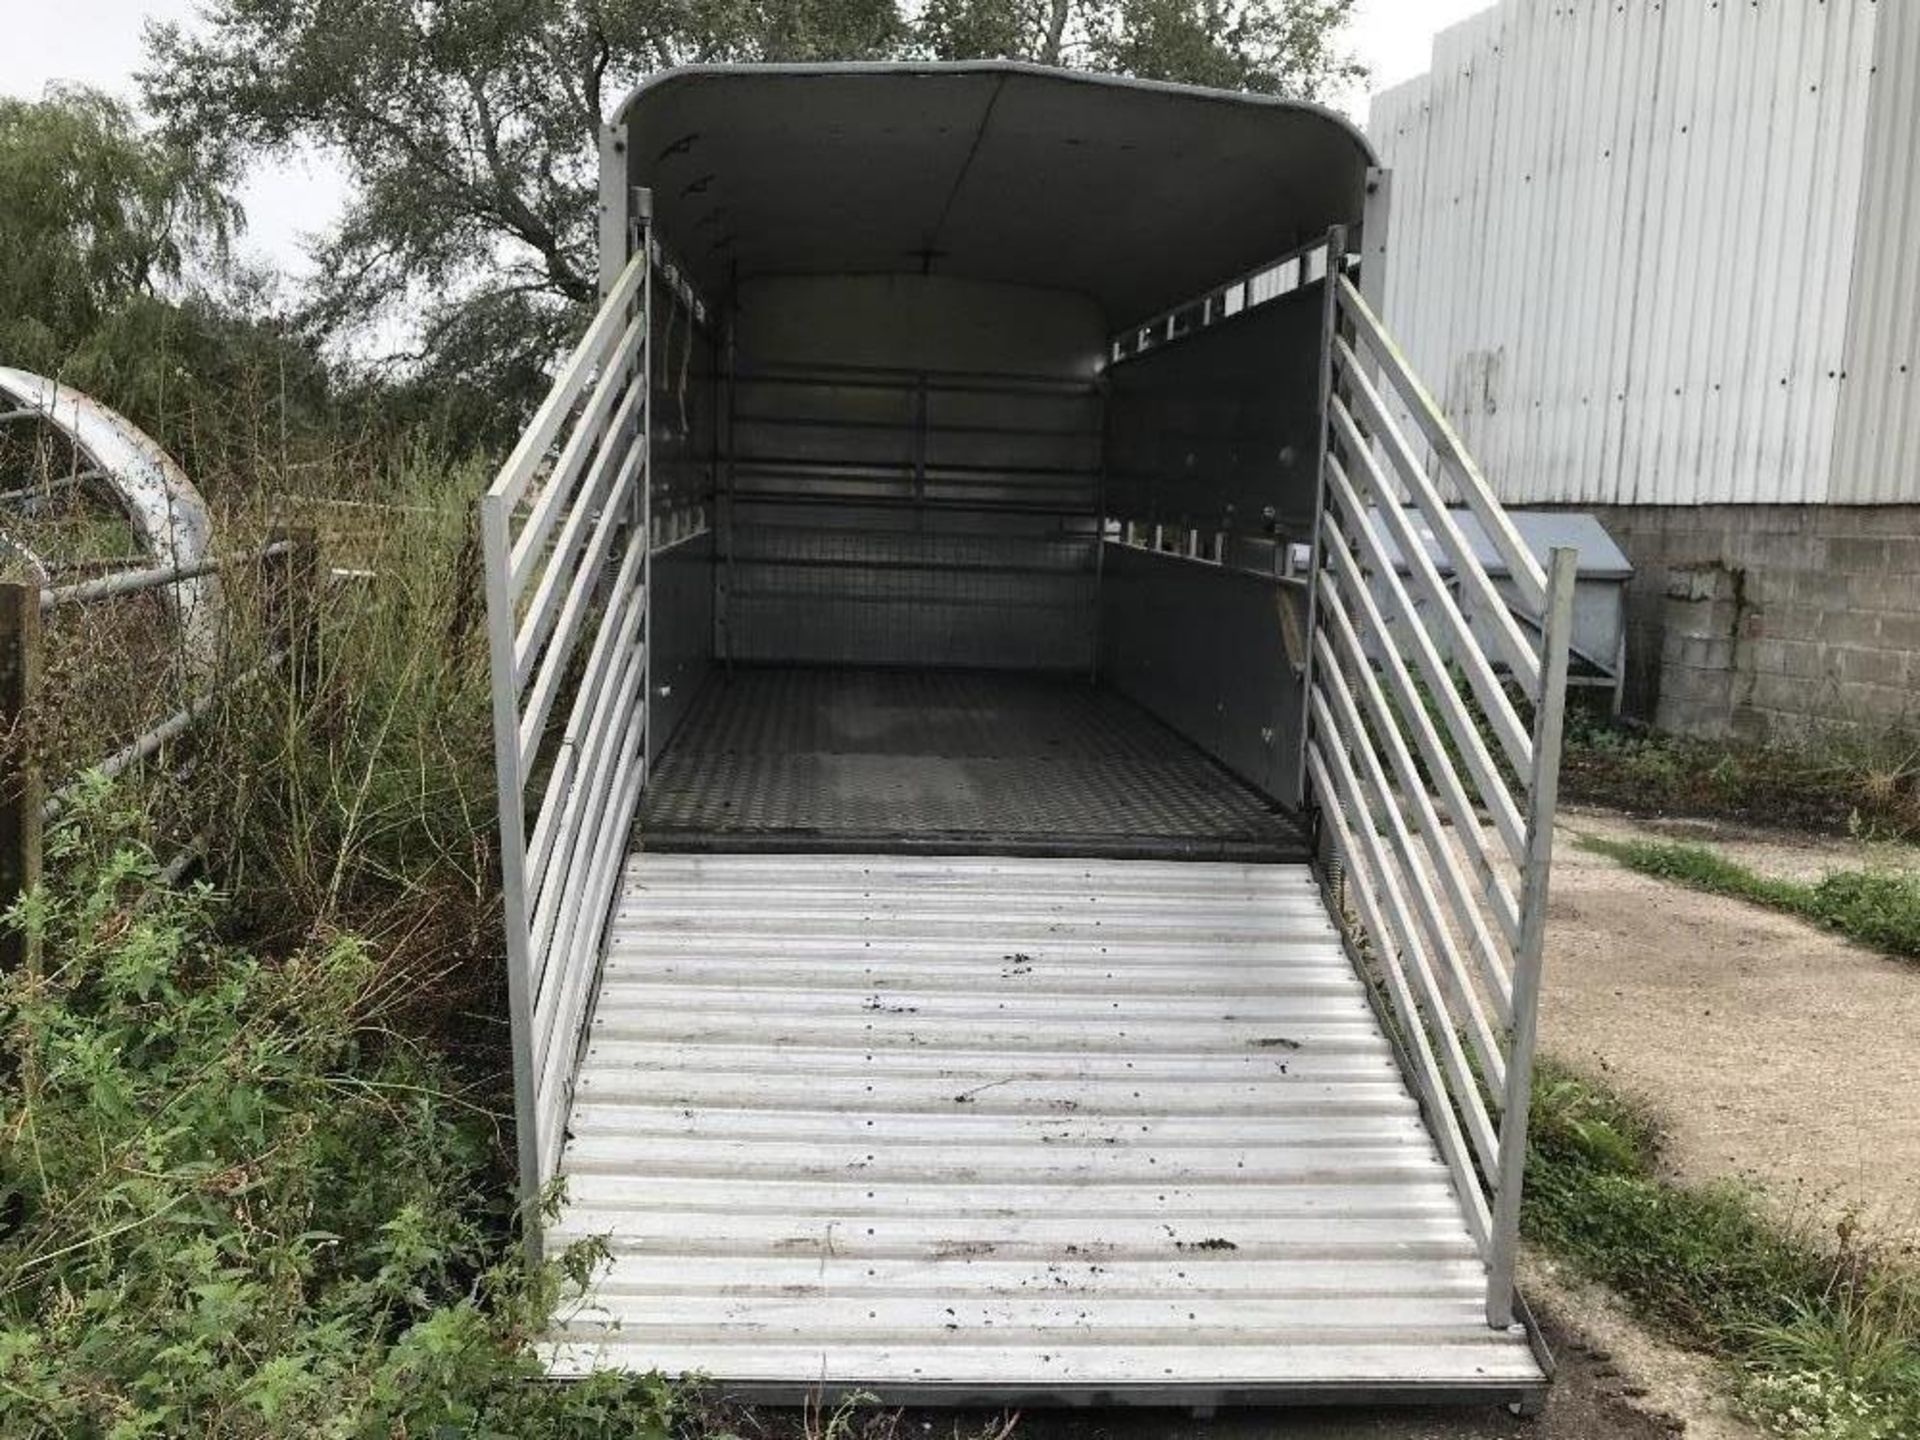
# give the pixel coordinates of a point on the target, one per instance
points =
(354, 789)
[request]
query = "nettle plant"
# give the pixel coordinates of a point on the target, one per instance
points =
(228, 1206)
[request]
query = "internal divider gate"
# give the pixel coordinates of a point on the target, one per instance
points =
(1466, 1034)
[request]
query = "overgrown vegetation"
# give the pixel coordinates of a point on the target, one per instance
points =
(238, 1201)
(1824, 1333)
(1875, 908)
(254, 1146)
(356, 787)
(1851, 781)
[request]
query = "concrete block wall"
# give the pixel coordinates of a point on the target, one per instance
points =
(1763, 622)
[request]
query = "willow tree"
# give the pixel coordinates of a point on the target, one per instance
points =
(94, 213)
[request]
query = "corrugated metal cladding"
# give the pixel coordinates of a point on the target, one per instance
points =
(1003, 1130)
(1878, 451)
(1663, 251)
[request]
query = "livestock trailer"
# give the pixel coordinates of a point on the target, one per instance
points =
(985, 922)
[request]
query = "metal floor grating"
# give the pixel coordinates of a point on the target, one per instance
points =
(974, 1129)
(849, 759)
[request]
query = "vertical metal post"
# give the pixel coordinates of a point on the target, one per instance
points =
(616, 207)
(1376, 219)
(1329, 324)
(639, 240)
(644, 529)
(495, 549)
(20, 796)
(1549, 720)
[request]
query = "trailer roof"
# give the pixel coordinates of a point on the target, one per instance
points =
(1137, 193)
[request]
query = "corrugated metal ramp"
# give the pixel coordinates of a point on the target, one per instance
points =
(1010, 1130)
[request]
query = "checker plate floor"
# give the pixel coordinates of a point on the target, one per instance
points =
(948, 760)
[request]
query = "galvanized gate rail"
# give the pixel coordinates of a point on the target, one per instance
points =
(285, 568)
(564, 533)
(1439, 868)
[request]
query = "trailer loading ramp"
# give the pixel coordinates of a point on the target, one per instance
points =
(1007, 1130)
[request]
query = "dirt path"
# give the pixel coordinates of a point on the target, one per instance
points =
(1775, 1051)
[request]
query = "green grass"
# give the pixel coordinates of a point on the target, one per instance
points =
(1878, 909)
(1823, 1333)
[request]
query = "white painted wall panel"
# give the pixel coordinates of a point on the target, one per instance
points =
(1624, 240)
(1877, 457)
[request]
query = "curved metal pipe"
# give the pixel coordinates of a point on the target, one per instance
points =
(167, 511)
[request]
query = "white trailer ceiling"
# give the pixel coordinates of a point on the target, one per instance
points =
(1139, 195)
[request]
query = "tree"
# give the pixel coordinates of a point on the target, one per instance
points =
(1278, 47)
(94, 215)
(470, 134)
(117, 276)
(469, 130)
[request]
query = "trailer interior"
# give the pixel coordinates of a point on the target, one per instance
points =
(926, 981)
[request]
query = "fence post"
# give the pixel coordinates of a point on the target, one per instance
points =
(289, 582)
(20, 823)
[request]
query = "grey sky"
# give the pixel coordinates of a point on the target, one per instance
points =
(98, 43)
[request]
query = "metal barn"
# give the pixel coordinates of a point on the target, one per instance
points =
(986, 920)
(1658, 259)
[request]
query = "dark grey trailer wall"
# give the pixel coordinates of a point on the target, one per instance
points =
(1213, 436)
(683, 436)
(1216, 427)
(912, 474)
